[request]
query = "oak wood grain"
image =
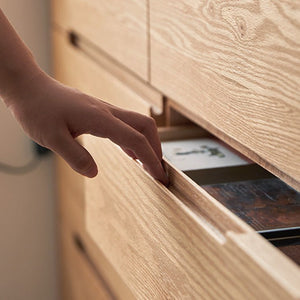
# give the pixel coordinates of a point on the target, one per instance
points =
(78, 277)
(117, 27)
(71, 219)
(75, 69)
(234, 67)
(131, 80)
(149, 242)
(78, 70)
(166, 247)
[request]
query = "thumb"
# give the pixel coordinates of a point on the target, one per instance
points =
(75, 155)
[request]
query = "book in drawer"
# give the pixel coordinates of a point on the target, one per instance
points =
(235, 69)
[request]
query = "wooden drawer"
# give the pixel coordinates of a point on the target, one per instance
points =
(117, 27)
(234, 68)
(75, 68)
(79, 69)
(71, 215)
(79, 279)
(177, 243)
(150, 241)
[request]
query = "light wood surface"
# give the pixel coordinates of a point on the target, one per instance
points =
(91, 79)
(166, 247)
(117, 27)
(131, 80)
(181, 132)
(76, 69)
(78, 277)
(234, 68)
(71, 217)
(231, 67)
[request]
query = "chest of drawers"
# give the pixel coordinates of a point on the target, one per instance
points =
(233, 69)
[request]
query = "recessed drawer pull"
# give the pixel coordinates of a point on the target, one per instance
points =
(81, 48)
(82, 249)
(117, 27)
(78, 243)
(73, 38)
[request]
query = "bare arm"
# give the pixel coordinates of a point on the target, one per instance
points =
(54, 115)
(17, 64)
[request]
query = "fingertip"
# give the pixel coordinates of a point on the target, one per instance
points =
(159, 174)
(166, 182)
(91, 172)
(165, 178)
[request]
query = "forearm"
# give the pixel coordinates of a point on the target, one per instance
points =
(17, 65)
(54, 115)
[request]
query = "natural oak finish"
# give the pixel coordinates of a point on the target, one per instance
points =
(99, 57)
(234, 68)
(78, 277)
(71, 217)
(230, 66)
(178, 242)
(76, 69)
(117, 27)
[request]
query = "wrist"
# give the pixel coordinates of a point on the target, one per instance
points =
(20, 78)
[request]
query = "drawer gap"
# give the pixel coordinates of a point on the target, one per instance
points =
(80, 246)
(178, 114)
(125, 75)
(249, 191)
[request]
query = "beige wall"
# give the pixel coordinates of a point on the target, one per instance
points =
(27, 223)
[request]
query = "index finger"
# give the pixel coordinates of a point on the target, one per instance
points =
(143, 124)
(126, 136)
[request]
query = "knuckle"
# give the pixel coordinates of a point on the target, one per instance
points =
(102, 124)
(149, 125)
(140, 138)
(150, 122)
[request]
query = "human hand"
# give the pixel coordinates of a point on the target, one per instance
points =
(53, 115)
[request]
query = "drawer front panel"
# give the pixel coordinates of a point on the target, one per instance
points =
(234, 68)
(166, 248)
(117, 27)
(78, 277)
(74, 68)
(71, 211)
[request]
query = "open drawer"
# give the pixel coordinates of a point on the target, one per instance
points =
(233, 69)
(177, 242)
